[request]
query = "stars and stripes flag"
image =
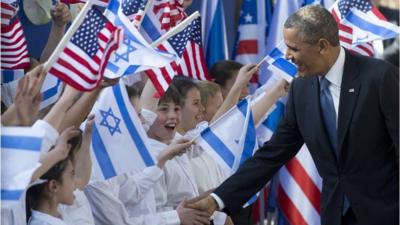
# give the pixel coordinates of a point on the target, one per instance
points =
(339, 11)
(8, 10)
(186, 44)
(169, 12)
(82, 62)
(14, 49)
(255, 16)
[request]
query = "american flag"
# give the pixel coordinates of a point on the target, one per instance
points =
(8, 11)
(134, 10)
(169, 12)
(14, 50)
(187, 45)
(83, 60)
(340, 9)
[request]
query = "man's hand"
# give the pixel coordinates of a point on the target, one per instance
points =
(207, 204)
(60, 15)
(192, 216)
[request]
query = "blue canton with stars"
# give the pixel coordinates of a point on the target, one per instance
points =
(125, 55)
(113, 124)
(131, 7)
(346, 5)
(191, 32)
(248, 14)
(86, 37)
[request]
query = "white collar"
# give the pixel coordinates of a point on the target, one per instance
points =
(335, 73)
(39, 216)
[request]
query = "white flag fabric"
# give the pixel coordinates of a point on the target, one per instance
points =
(119, 142)
(231, 149)
(368, 28)
(20, 152)
(134, 54)
(279, 65)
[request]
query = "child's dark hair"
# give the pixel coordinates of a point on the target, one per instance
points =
(224, 70)
(34, 193)
(171, 95)
(183, 85)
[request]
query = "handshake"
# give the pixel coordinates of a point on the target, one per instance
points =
(197, 210)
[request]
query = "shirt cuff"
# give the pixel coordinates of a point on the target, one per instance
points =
(219, 201)
(170, 217)
(153, 172)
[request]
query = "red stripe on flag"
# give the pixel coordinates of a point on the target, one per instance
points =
(305, 182)
(289, 209)
(247, 47)
(194, 58)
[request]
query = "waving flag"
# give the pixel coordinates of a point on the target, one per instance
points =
(231, 149)
(20, 152)
(186, 44)
(102, 3)
(366, 28)
(279, 65)
(11, 75)
(169, 13)
(8, 10)
(134, 54)
(14, 50)
(339, 11)
(134, 9)
(214, 31)
(83, 60)
(116, 122)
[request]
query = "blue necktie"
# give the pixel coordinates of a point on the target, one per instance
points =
(328, 112)
(329, 116)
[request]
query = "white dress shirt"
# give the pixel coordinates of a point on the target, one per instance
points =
(334, 75)
(79, 212)
(128, 199)
(39, 218)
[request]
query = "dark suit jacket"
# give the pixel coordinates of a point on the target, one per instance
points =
(368, 136)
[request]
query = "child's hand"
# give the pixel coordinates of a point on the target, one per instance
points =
(174, 149)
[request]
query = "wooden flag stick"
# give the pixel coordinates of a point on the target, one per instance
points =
(71, 30)
(178, 28)
(146, 8)
(261, 62)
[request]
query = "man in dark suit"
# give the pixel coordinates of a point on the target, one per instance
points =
(345, 108)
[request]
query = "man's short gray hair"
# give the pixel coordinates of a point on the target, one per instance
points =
(314, 22)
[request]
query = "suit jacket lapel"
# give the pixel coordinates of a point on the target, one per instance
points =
(349, 92)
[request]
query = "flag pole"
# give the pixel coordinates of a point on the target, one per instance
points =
(71, 30)
(178, 28)
(146, 8)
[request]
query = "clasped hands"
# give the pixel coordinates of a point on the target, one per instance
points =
(197, 210)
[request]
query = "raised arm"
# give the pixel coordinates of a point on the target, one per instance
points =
(244, 75)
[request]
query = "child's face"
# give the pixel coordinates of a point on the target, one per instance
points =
(67, 187)
(164, 127)
(213, 104)
(192, 110)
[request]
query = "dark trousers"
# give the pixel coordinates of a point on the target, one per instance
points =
(349, 218)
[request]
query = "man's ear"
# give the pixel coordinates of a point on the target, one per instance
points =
(324, 46)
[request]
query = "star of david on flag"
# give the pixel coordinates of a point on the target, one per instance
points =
(116, 121)
(134, 54)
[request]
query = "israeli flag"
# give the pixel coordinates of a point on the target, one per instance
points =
(11, 75)
(20, 152)
(368, 28)
(231, 149)
(119, 142)
(279, 65)
(51, 90)
(134, 54)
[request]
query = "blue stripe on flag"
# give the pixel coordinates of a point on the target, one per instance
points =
(21, 142)
(273, 119)
(51, 91)
(12, 195)
(219, 147)
(8, 76)
(242, 106)
(250, 141)
(151, 30)
(131, 69)
(101, 154)
(112, 67)
(370, 27)
(276, 53)
(143, 151)
(285, 66)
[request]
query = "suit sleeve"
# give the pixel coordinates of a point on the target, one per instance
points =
(258, 170)
(389, 99)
